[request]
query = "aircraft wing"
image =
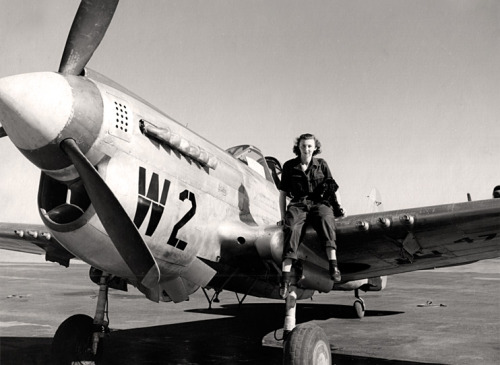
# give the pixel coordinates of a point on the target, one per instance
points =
(393, 242)
(369, 246)
(34, 239)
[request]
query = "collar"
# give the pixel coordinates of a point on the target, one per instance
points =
(314, 162)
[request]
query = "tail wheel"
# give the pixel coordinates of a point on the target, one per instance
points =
(73, 341)
(359, 305)
(359, 308)
(307, 344)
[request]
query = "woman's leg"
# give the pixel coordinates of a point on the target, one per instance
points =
(323, 221)
(294, 222)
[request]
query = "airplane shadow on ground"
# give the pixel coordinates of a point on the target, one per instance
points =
(235, 338)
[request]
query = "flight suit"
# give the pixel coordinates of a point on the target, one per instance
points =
(307, 204)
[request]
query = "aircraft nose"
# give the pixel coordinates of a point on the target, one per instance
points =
(39, 110)
(34, 108)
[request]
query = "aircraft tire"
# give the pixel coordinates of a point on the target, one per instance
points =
(73, 341)
(359, 308)
(307, 344)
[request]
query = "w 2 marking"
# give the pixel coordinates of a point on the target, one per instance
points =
(153, 200)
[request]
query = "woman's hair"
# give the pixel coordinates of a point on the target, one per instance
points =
(296, 148)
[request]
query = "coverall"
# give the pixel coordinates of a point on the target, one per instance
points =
(307, 204)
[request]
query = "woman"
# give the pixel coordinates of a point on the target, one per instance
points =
(303, 179)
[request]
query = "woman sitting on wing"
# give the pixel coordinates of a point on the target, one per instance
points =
(306, 179)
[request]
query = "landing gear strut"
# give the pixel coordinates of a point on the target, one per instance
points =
(218, 290)
(79, 338)
(306, 343)
(214, 299)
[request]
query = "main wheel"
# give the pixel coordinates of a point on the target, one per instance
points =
(72, 342)
(307, 344)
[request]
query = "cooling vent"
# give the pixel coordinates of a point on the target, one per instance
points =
(121, 117)
(122, 122)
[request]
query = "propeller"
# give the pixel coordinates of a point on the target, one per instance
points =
(118, 225)
(87, 31)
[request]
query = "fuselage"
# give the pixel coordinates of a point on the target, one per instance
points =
(178, 193)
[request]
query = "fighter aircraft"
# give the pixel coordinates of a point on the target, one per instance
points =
(149, 203)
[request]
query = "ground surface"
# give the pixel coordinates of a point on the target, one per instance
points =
(461, 326)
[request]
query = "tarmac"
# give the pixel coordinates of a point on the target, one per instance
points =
(444, 316)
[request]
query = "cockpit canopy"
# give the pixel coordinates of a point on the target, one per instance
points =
(268, 167)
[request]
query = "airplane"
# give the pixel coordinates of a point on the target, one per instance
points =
(147, 202)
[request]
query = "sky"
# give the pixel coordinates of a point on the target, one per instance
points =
(403, 95)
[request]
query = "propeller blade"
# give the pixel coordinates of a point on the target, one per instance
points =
(3, 133)
(118, 225)
(89, 26)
